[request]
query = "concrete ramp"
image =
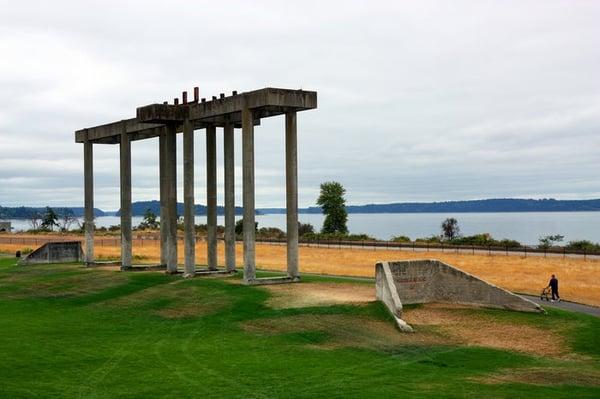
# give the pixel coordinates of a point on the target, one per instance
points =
(55, 252)
(423, 281)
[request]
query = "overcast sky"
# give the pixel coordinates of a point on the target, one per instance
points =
(418, 101)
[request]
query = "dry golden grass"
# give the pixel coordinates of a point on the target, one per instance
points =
(579, 279)
(472, 328)
(318, 294)
(433, 323)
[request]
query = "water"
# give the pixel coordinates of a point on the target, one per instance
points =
(525, 227)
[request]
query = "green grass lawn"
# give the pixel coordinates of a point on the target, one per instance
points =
(66, 331)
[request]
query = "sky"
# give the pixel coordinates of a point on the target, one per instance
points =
(418, 100)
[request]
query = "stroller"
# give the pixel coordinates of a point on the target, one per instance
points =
(546, 294)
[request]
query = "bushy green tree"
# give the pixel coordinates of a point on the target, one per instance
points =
(149, 222)
(305, 228)
(332, 202)
(450, 228)
(550, 240)
(49, 219)
(239, 227)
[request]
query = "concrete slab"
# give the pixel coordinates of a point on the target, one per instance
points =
(424, 281)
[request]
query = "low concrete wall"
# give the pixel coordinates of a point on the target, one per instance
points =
(56, 252)
(422, 281)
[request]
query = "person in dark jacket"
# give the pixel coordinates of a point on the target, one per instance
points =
(554, 288)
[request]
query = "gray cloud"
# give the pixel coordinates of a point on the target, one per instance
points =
(418, 101)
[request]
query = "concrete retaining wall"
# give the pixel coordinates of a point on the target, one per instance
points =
(422, 281)
(56, 252)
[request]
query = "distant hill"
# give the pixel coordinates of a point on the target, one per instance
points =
(25, 212)
(139, 208)
(486, 205)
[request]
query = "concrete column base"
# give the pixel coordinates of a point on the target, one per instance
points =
(272, 280)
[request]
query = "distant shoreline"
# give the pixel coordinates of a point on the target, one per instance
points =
(498, 205)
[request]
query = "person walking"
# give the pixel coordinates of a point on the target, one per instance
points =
(554, 288)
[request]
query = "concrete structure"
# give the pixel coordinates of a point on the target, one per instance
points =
(55, 252)
(423, 281)
(165, 120)
(5, 227)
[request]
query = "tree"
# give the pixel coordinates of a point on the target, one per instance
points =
(67, 219)
(305, 228)
(450, 228)
(49, 219)
(35, 219)
(239, 227)
(149, 222)
(550, 240)
(332, 202)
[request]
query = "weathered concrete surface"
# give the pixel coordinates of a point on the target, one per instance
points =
(218, 112)
(248, 195)
(423, 281)
(162, 173)
(171, 194)
(188, 199)
(387, 293)
(125, 169)
(272, 280)
(291, 191)
(55, 252)
(229, 166)
(211, 196)
(88, 177)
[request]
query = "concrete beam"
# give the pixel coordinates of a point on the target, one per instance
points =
(211, 195)
(229, 166)
(88, 177)
(188, 198)
(150, 119)
(111, 132)
(248, 195)
(171, 191)
(125, 172)
(291, 185)
(275, 101)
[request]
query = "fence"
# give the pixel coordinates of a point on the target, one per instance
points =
(366, 245)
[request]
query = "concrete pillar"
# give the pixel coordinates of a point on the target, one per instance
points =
(88, 177)
(211, 195)
(291, 190)
(125, 154)
(248, 194)
(229, 165)
(188, 198)
(164, 225)
(171, 193)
